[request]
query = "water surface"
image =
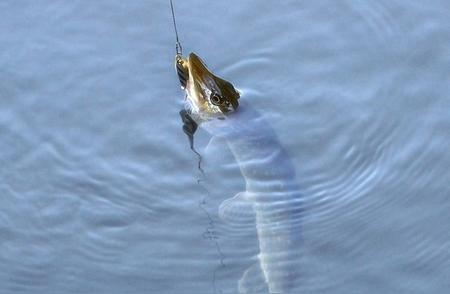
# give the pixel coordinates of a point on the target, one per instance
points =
(98, 185)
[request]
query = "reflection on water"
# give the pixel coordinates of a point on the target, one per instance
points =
(98, 184)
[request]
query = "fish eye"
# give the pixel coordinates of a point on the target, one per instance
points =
(216, 99)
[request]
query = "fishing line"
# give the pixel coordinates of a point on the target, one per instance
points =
(210, 233)
(199, 156)
(178, 48)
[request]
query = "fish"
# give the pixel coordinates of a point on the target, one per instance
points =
(208, 95)
(272, 196)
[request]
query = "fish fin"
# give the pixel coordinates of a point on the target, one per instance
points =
(253, 280)
(237, 210)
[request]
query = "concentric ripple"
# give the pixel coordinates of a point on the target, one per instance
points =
(380, 17)
(98, 186)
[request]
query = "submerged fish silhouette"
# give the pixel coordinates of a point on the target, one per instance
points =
(272, 196)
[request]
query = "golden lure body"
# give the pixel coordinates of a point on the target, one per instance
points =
(208, 96)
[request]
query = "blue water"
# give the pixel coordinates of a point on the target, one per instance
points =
(98, 186)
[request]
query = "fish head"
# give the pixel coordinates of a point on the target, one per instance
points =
(207, 95)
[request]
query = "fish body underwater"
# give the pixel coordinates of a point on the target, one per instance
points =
(272, 194)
